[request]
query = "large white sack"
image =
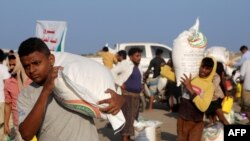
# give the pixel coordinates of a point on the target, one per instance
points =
(81, 84)
(162, 82)
(213, 133)
(221, 54)
(148, 130)
(188, 51)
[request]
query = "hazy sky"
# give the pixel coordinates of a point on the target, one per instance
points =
(92, 23)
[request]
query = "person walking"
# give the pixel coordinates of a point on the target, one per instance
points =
(245, 55)
(4, 75)
(121, 55)
(129, 78)
(12, 88)
(154, 64)
(215, 109)
(37, 105)
(245, 79)
(197, 95)
(108, 58)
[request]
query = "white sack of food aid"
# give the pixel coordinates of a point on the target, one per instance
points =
(188, 51)
(162, 82)
(221, 54)
(81, 84)
(213, 133)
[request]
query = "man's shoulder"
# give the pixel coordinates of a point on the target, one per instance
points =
(31, 89)
(123, 64)
(11, 81)
(247, 62)
(111, 54)
(3, 67)
(247, 54)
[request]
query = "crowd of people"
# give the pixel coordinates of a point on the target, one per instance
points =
(28, 108)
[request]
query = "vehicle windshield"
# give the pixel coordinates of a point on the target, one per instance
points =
(166, 53)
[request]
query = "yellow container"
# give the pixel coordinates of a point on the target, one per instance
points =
(166, 71)
(227, 104)
(34, 138)
(238, 90)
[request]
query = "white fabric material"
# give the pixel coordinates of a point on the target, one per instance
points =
(244, 57)
(152, 85)
(147, 130)
(230, 117)
(245, 74)
(188, 51)
(4, 74)
(53, 33)
(162, 82)
(146, 90)
(221, 54)
(213, 133)
(123, 70)
(83, 83)
(58, 124)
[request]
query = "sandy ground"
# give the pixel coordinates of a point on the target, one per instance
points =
(168, 127)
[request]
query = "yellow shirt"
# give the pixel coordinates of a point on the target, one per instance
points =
(166, 71)
(108, 59)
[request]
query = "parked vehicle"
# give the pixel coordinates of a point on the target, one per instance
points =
(147, 54)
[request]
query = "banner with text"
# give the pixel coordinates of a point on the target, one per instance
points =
(53, 33)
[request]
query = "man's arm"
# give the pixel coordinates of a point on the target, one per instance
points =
(240, 62)
(117, 70)
(30, 126)
(115, 103)
(243, 71)
(147, 72)
(7, 107)
(7, 112)
(203, 102)
(32, 123)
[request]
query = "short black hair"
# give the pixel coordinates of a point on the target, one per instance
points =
(134, 50)
(207, 62)
(220, 68)
(158, 51)
(122, 53)
(11, 57)
(106, 49)
(2, 55)
(31, 45)
(243, 48)
(11, 51)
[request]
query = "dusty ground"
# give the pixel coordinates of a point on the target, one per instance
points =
(168, 127)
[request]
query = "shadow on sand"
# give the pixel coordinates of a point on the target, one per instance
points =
(172, 114)
(108, 133)
(168, 137)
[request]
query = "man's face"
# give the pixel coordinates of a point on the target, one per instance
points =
(243, 51)
(119, 58)
(12, 64)
(37, 66)
(204, 71)
(136, 58)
